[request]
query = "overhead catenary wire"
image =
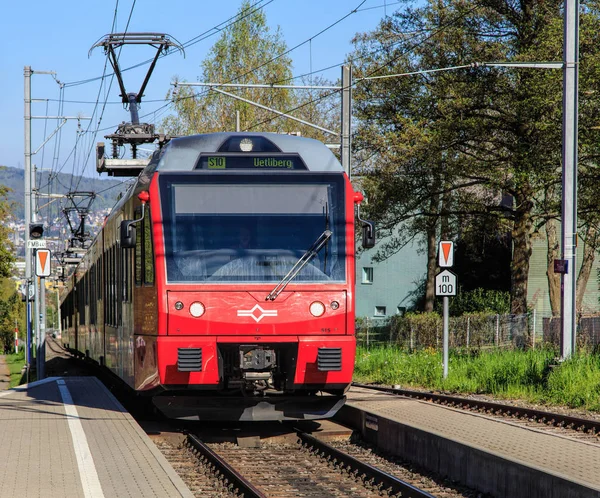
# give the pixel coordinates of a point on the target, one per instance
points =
(377, 69)
(308, 40)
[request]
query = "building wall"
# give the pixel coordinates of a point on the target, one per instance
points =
(393, 280)
(537, 289)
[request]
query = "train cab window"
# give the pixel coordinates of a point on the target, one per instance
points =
(254, 228)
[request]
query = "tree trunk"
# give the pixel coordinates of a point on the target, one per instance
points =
(553, 278)
(431, 266)
(521, 238)
(589, 252)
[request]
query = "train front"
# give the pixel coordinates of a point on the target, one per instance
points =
(257, 321)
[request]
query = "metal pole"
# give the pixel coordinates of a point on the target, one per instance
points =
(445, 340)
(36, 314)
(42, 334)
(497, 337)
(27, 174)
(533, 335)
(569, 182)
(59, 324)
(346, 118)
(237, 121)
(36, 321)
(468, 331)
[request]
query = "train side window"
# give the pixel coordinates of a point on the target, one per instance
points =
(105, 268)
(93, 294)
(138, 251)
(111, 279)
(147, 251)
(126, 255)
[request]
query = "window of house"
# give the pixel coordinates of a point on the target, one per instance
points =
(380, 311)
(367, 275)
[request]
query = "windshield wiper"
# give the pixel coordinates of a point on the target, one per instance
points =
(301, 263)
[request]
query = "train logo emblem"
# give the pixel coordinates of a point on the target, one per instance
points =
(252, 313)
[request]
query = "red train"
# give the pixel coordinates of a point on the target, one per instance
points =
(222, 283)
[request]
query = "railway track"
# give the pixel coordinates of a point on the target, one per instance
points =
(310, 468)
(576, 426)
(307, 468)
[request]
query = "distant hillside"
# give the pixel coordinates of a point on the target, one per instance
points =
(107, 190)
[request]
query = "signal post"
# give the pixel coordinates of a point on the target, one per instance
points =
(42, 270)
(445, 285)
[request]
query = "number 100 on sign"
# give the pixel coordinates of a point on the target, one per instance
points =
(445, 284)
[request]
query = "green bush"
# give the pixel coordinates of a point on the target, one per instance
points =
(532, 375)
(480, 301)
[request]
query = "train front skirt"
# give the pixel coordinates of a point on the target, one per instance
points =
(249, 408)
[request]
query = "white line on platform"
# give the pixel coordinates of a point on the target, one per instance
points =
(85, 462)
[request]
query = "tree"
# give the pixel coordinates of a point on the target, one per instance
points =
(6, 249)
(247, 52)
(455, 143)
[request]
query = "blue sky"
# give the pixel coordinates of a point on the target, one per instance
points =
(58, 35)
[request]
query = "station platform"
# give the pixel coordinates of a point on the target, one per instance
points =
(494, 456)
(69, 437)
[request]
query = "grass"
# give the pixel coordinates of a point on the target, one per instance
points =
(530, 375)
(15, 363)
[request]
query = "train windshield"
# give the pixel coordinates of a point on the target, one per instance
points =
(252, 228)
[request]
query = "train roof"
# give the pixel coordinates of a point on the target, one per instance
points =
(182, 154)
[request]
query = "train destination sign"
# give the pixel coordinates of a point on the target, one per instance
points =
(251, 161)
(445, 283)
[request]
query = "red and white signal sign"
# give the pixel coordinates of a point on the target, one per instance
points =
(446, 254)
(42, 262)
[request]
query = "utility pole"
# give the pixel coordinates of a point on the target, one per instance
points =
(41, 367)
(27, 98)
(346, 118)
(569, 181)
(30, 215)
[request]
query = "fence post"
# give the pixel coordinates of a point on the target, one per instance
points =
(412, 338)
(533, 335)
(367, 332)
(497, 330)
(468, 330)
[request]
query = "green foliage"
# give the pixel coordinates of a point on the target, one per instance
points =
(12, 311)
(428, 325)
(480, 301)
(531, 375)
(250, 52)
(247, 52)
(439, 150)
(15, 363)
(576, 382)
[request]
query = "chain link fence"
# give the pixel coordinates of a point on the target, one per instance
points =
(475, 331)
(472, 331)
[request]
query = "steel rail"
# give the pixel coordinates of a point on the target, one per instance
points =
(227, 471)
(370, 474)
(555, 419)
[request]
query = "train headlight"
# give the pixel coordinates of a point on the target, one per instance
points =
(197, 309)
(178, 305)
(246, 145)
(317, 308)
(334, 305)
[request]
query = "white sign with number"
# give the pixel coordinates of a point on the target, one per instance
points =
(36, 244)
(445, 283)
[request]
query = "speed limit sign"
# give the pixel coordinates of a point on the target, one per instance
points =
(445, 283)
